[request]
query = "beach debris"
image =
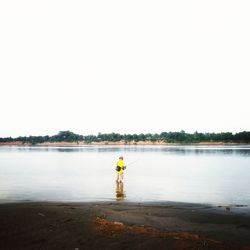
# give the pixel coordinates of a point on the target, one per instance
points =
(67, 220)
(41, 214)
(239, 205)
(108, 227)
(112, 227)
(230, 206)
(226, 207)
(118, 223)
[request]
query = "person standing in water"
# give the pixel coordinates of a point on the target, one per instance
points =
(120, 169)
(120, 195)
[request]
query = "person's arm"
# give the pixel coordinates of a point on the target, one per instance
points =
(123, 167)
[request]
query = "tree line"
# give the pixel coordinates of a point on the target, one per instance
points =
(169, 137)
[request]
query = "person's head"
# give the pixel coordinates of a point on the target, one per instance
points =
(121, 157)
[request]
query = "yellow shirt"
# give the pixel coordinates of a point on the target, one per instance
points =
(121, 165)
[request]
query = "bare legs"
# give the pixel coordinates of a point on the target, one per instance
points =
(119, 191)
(119, 178)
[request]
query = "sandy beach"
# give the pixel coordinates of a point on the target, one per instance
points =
(120, 225)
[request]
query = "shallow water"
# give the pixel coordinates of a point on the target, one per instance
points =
(200, 174)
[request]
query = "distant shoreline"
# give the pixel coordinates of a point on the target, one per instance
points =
(68, 138)
(118, 143)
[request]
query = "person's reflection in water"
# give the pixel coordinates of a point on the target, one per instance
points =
(120, 195)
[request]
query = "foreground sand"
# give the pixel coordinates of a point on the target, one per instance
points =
(120, 225)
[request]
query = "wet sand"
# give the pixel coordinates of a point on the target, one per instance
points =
(121, 225)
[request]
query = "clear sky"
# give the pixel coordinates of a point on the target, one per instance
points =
(124, 66)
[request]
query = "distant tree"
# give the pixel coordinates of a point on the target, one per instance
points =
(178, 137)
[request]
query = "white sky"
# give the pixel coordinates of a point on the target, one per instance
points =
(124, 66)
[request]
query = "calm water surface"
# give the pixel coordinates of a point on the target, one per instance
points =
(214, 175)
